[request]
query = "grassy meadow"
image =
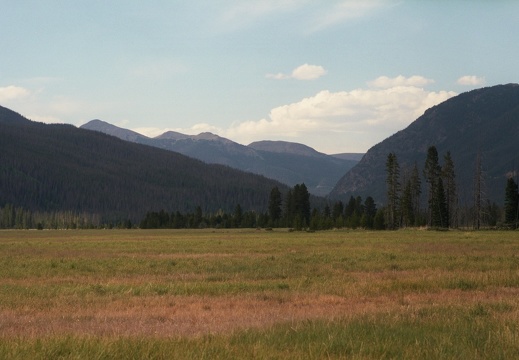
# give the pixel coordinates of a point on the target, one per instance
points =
(232, 294)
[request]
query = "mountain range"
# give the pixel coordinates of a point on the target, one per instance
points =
(289, 163)
(57, 167)
(482, 123)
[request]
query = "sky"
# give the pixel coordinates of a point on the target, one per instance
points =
(337, 75)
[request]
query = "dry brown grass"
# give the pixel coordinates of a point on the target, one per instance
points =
(176, 316)
(335, 293)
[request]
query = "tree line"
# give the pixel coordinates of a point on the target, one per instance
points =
(16, 217)
(442, 210)
(404, 207)
(289, 210)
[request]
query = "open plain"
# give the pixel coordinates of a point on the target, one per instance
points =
(259, 294)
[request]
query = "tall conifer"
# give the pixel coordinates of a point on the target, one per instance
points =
(393, 191)
(511, 202)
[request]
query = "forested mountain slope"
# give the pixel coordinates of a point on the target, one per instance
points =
(60, 167)
(483, 121)
(287, 162)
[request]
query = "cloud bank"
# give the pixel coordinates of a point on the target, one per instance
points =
(387, 82)
(343, 121)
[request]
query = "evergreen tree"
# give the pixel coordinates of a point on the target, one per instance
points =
(393, 191)
(197, 222)
(416, 191)
(439, 210)
(289, 208)
(451, 199)
(478, 192)
(432, 171)
(338, 210)
(302, 204)
(359, 206)
(326, 212)
(511, 202)
(406, 205)
(379, 222)
(275, 205)
(354, 221)
(370, 210)
(350, 208)
(297, 207)
(238, 216)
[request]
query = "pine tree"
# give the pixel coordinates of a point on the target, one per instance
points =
(432, 172)
(393, 190)
(297, 207)
(275, 205)
(379, 222)
(439, 210)
(238, 216)
(406, 205)
(511, 202)
(478, 192)
(349, 209)
(416, 192)
(370, 210)
(338, 210)
(302, 197)
(451, 200)
(289, 208)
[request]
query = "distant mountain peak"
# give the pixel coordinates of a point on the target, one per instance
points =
(208, 136)
(284, 147)
(107, 128)
(172, 135)
(290, 163)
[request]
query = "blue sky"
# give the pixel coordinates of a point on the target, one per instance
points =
(339, 76)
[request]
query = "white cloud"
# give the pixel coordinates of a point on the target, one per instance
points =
(354, 120)
(333, 122)
(387, 82)
(12, 92)
(308, 72)
(471, 80)
(303, 72)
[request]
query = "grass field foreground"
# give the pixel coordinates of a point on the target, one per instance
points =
(259, 294)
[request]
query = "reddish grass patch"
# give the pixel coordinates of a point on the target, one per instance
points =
(174, 316)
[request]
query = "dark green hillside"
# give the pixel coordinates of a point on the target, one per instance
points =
(61, 168)
(483, 121)
(289, 163)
